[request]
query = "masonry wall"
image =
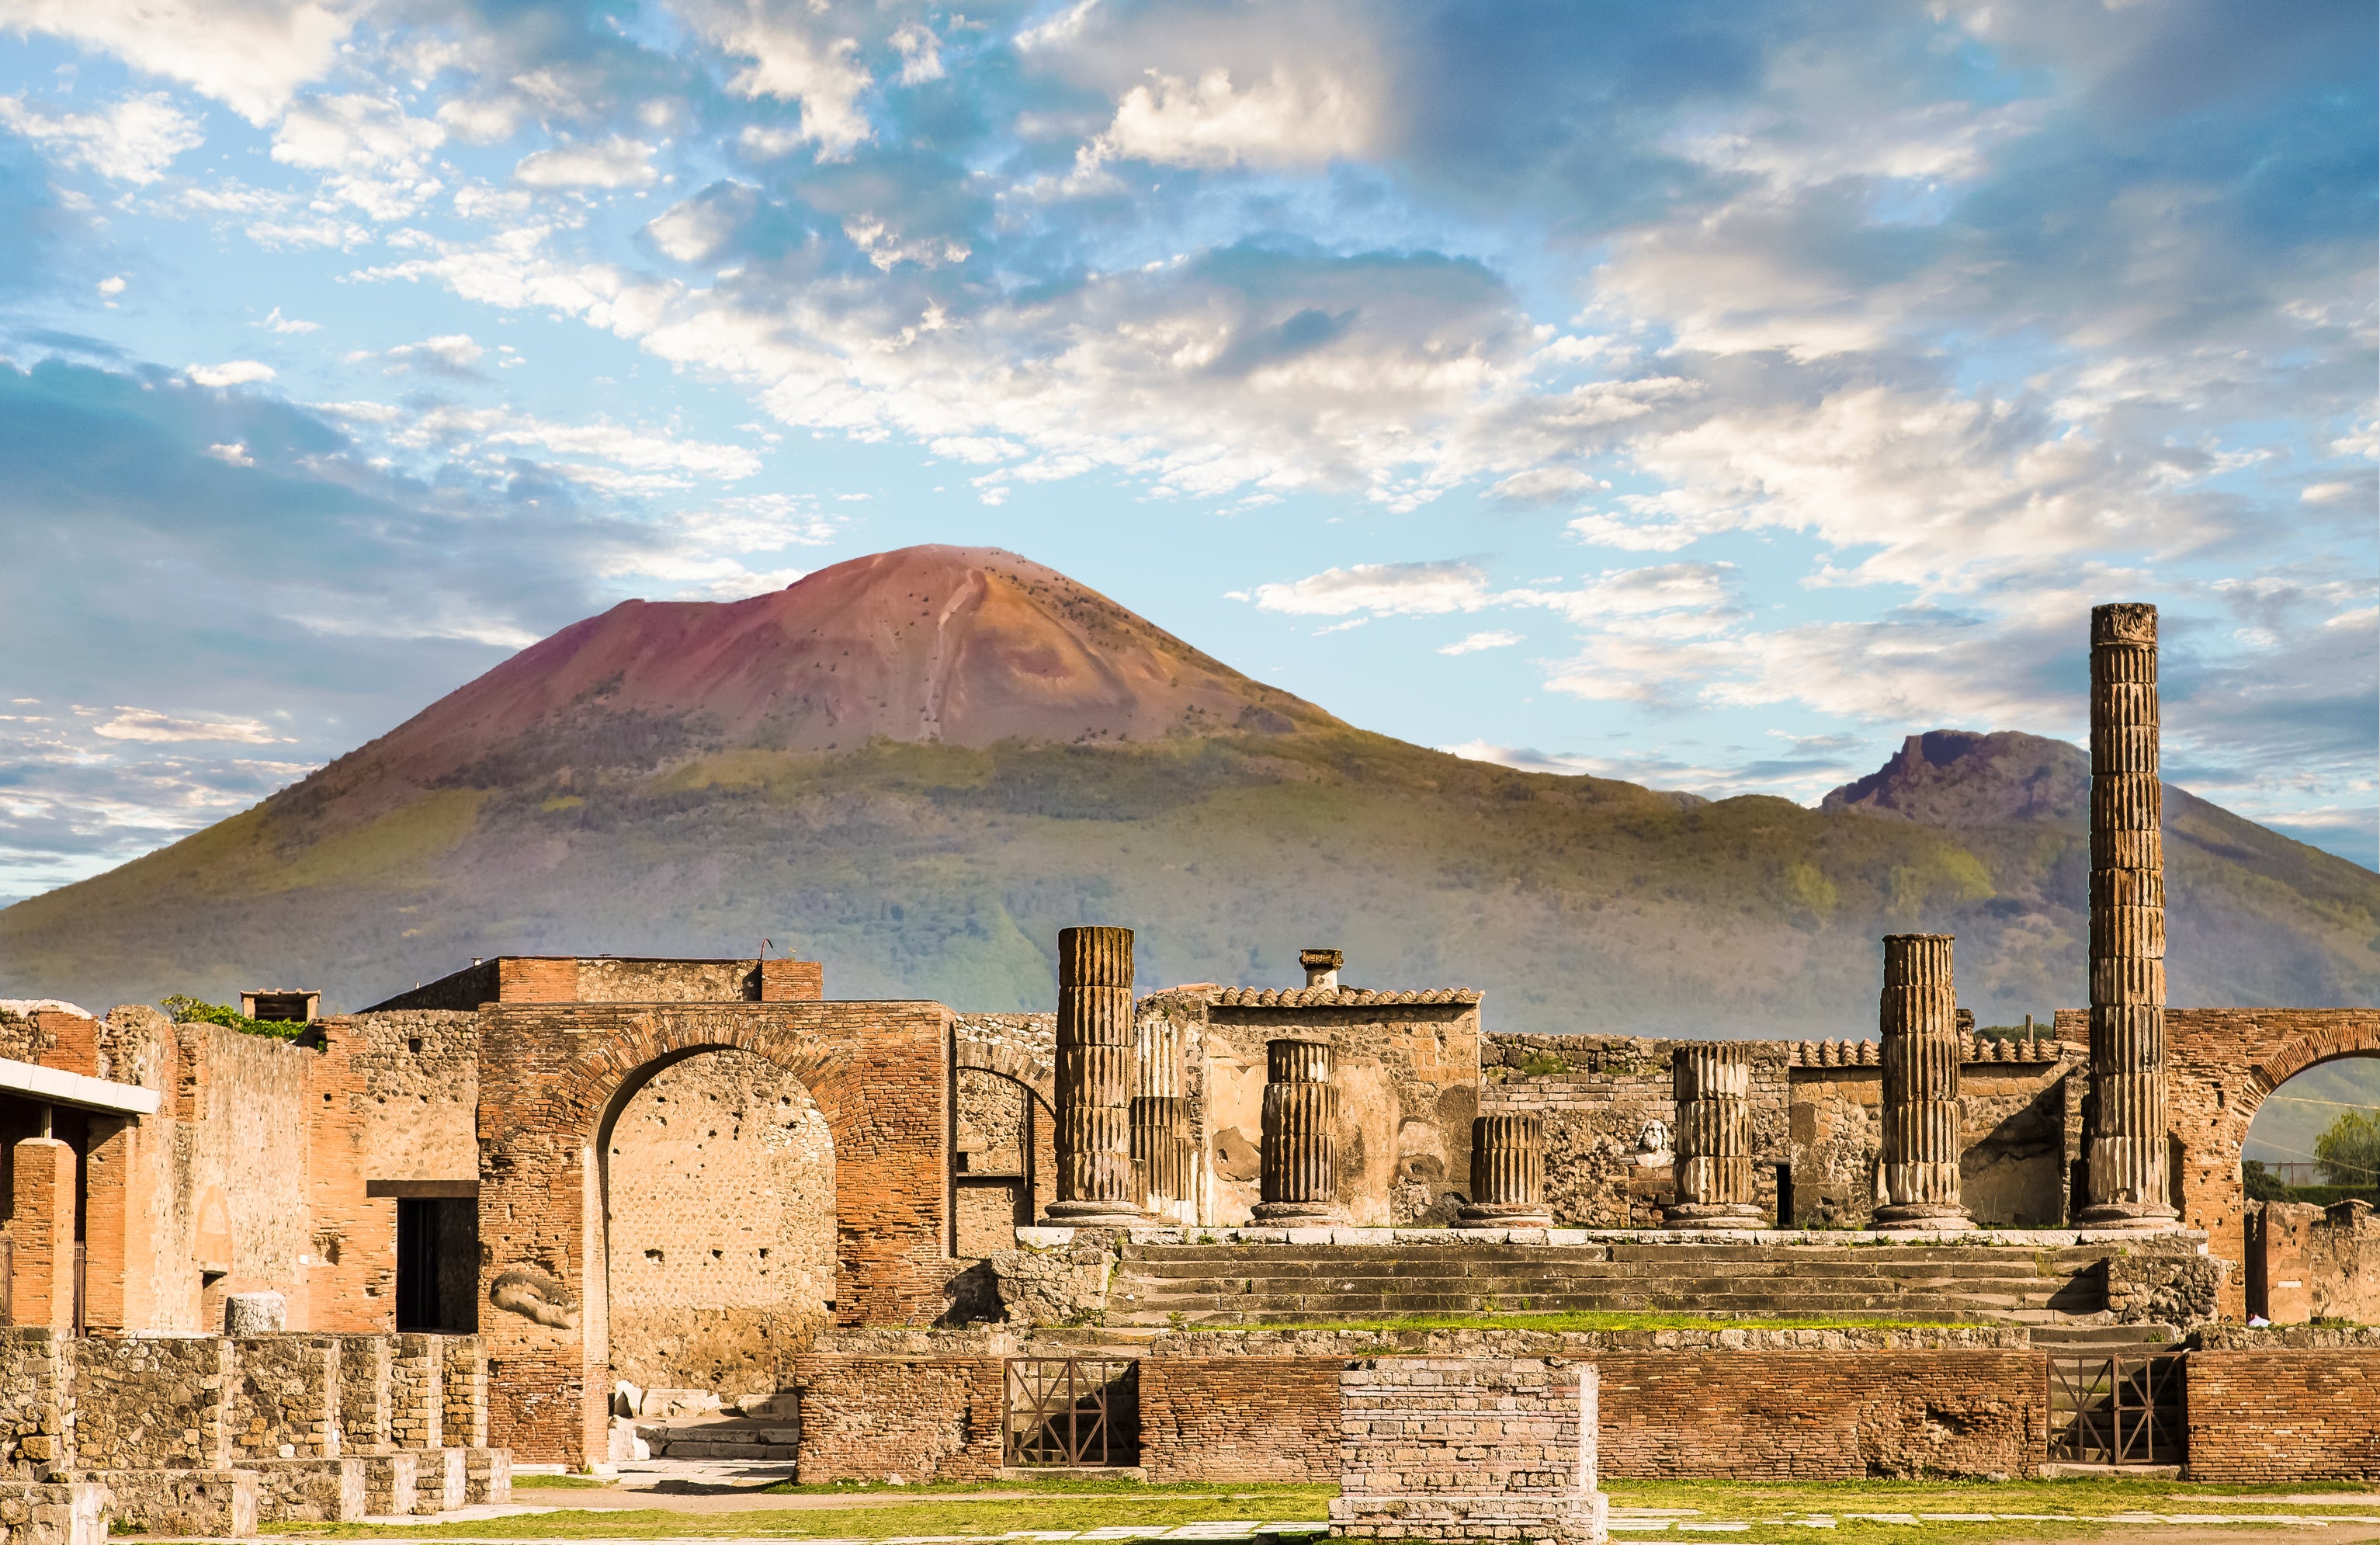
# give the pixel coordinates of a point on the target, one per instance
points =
(1239, 1419)
(152, 1402)
(1408, 1071)
(720, 1190)
(2283, 1415)
(37, 1403)
(922, 1418)
(1597, 1096)
(2012, 1141)
(2305, 1260)
(247, 1170)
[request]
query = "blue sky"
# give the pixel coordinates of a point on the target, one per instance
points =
(1703, 394)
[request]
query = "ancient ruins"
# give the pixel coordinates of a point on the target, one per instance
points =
(575, 1209)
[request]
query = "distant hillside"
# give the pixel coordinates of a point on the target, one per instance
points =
(919, 766)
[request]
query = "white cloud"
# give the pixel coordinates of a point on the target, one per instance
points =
(1396, 589)
(451, 354)
(1541, 485)
(1286, 119)
(792, 62)
(251, 55)
(132, 140)
(353, 133)
(1474, 643)
(234, 453)
(613, 162)
(276, 322)
(111, 287)
(148, 724)
(231, 373)
(921, 54)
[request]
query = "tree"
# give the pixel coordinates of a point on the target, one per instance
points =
(2349, 1150)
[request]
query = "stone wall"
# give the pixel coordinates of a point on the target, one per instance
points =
(2305, 1260)
(1239, 1419)
(285, 1398)
(2283, 1415)
(610, 979)
(1597, 1095)
(920, 1418)
(153, 1402)
(721, 1182)
(38, 1417)
(463, 1383)
(366, 1416)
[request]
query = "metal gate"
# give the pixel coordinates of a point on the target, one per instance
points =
(2117, 1410)
(1076, 1412)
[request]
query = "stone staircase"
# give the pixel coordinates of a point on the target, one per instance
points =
(1283, 1283)
(721, 1437)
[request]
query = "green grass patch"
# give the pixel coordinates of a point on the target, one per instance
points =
(550, 1483)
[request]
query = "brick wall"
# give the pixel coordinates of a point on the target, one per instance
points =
(1239, 1419)
(721, 1233)
(2283, 1415)
(2305, 1260)
(250, 1148)
(921, 1418)
(149, 1402)
(548, 1077)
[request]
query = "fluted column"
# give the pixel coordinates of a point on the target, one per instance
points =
(2124, 1137)
(1508, 1174)
(1163, 1155)
(1299, 1158)
(1918, 1017)
(1712, 1082)
(1095, 1078)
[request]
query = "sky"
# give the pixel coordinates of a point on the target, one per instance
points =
(1703, 394)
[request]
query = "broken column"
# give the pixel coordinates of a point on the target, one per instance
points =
(1918, 1017)
(2124, 1132)
(1712, 1083)
(1300, 1159)
(1508, 1174)
(1095, 1079)
(1163, 1155)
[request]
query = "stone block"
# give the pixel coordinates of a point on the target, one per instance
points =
(219, 1504)
(1468, 1448)
(255, 1314)
(309, 1490)
(441, 1479)
(487, 1474)
(56, 1512)
(389, 1482)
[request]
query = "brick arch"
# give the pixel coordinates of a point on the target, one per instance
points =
(1038, 1075)
(2356, 1038)
(552, 1077)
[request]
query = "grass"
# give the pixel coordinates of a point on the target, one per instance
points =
(548, 1483)
(2082, 1509)
(1587, 1320)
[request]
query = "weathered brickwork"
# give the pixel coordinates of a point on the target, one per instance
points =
(2220, 1063)
(1239, 1419)
(721, 1232)
(2284, 1415)
(614, 980)
(1467, 1448)
(550, 1075)
(153, 1402)
(38, 1417)
(924, 1419)
(2306, 1260)
(284, 1402)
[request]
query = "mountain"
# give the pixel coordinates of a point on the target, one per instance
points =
(919, 766)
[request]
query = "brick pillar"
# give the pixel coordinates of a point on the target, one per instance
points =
(41, 1291)
(1163, 1156)
(2124, 1136)
(1095, 1078)
(1508, 1174)
(1712, 1083)
(120, 1275)
(1300, 1156)
(1918, 1017)
(792, 982)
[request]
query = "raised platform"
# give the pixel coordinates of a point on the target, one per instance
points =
(1044, 1237)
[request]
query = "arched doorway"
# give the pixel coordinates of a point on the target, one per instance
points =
(553, 1081)
(1004, 1161)
(2313, 1145)
(718, 1220)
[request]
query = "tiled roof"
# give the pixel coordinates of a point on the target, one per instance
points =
(1330, 997)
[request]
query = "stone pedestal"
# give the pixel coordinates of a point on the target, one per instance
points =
(1300, 1157)
(1093, 1134)
(1918, 1016)
(1508, 1174)
(2124, 1128)
(1164, 1156)
(1712, 1083)
(1468, 1448)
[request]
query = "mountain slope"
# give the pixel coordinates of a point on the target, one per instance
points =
(918, 766)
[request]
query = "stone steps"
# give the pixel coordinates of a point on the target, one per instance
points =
(729, 1437)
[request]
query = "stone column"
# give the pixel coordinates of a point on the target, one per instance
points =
(1095, 1078)
(1300, 1159)
(1508, 1174)
(2124, 1136)
(1163, 1156)
(1918, 1017)
(1712, 1082)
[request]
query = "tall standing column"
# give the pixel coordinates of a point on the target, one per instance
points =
(1712, 1083)
(1163, 1153)
(1299, 1163)
(1095, 1078)
(1508, 1174)
(1918, 1016)
(2124, 1136)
